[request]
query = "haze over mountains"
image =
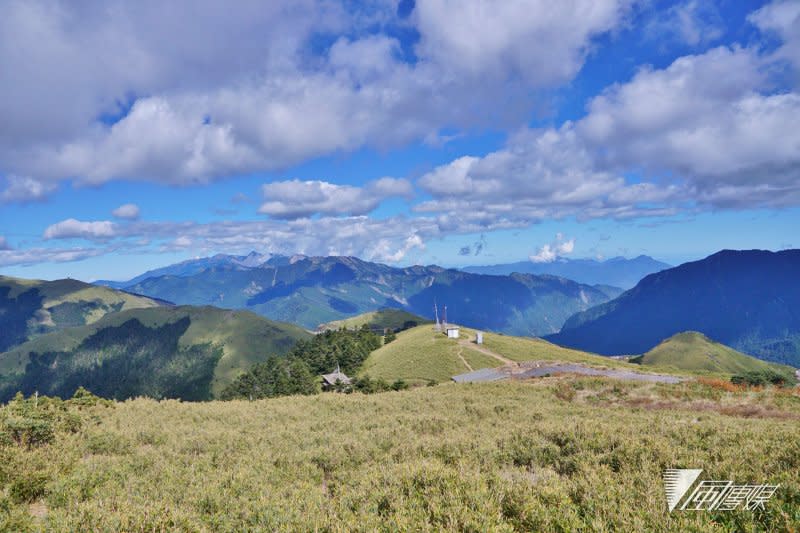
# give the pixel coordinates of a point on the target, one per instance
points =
(748, 300)
(313, 290)
(616, 271)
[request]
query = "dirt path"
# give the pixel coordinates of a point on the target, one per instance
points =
(486, 351)
(461, 356)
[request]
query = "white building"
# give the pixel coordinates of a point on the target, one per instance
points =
(478, 337)
(452, 332)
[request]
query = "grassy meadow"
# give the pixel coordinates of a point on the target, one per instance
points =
(420, 355)
(696, 352)
(557, 454)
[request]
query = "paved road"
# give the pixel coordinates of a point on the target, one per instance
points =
(541, 369)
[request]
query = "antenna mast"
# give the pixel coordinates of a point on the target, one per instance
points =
(438, 326)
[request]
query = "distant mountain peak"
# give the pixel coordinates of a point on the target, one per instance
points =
(616, 271)
(746, 299)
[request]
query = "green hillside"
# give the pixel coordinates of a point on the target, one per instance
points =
(421, 354)
(695, 352)
(186, 352)
(745, 299)
(380, 319)
(30, 308)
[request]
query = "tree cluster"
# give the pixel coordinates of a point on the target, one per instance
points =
(755, 378)
(298, 371)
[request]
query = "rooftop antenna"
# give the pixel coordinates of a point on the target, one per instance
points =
(438, 326)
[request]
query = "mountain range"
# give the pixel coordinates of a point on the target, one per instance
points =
(748, 300)
(58, 335)
(183, 352)
(29, 308)
(310, 291)
(617, 271)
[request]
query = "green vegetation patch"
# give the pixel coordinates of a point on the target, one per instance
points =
(490, 457)
(535, 349)
(298, 372)
(420, 355)
(234, 340)
(30, 308)
(695, 352)
(122, 362)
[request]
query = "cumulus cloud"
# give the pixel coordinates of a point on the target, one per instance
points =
(781, 18)
(384, 247)
(707, 130)
(714, 126)
(4, 243)
(24, 189)
(76, 229)
(500, 39)
(127, 211)
(126, 91)
(552, 251)
(540, 174)
(297, 199)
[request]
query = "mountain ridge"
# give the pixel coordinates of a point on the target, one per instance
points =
(311, 290)
(29, 308)
(183, 352)
(746, 299)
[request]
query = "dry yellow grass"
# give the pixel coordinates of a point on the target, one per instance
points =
(492, 457)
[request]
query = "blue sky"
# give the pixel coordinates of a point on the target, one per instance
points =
(449, 132)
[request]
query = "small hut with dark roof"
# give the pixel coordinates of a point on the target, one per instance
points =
(335, 379)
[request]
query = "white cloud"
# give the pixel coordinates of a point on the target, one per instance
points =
(391, 239)
(200, 92)
(704, 131)
(182, 242)
(35, 256)
(76, 229)
(127, 211)
(4, 243)
(691, 22)
(707, 120)
(383, 249)
(539, 41)
(24, 189)
(297, 199)
(540, 174)
(552, 251)
(781, 17)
